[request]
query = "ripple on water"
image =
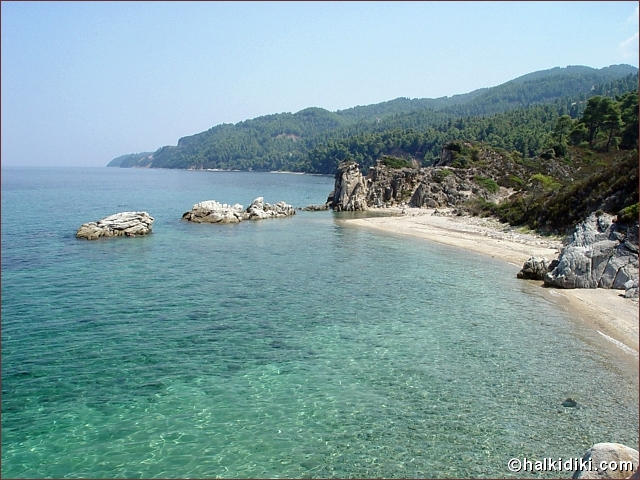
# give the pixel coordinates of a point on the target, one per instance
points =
(296, 349)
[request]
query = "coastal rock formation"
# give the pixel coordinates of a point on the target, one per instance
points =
(211, 211)
(600, 254)
(606, 454)
(129, 224)
(535, 268)
(350, 190)
(451, 182)
(259, 210)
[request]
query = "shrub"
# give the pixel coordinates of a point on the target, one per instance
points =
(487, 183)
(440, 175)
(546, 182)
(628, 214)
(460, 162)
(395, 162)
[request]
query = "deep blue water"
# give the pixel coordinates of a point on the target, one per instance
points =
(295, 347)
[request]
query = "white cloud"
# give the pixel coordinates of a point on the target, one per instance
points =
(629, 47)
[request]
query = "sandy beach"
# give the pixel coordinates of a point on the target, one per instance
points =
(614, 317)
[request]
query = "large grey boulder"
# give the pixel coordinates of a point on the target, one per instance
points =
(350, 191)
(211, 211)
(127, 224)
(600, 254)
(600, 460)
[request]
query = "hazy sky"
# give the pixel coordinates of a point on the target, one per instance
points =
(84, 82)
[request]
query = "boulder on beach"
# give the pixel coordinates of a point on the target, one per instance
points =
(535, 268)
(600, 254)
(129, 224)
(608, 455)
(211, 211)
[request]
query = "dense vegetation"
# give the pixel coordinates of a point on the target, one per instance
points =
(582, 171)
(519, 115)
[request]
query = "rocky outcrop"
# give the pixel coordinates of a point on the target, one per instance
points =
(259, 210)
(451, 182)
(211, 211)
(599, 254)
(350, 191)
(124, 224)
(607, 455)
(535, 268)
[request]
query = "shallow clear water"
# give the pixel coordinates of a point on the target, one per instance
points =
(295, 347)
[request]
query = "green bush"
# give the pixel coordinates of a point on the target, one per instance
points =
(440, 175)
(395, 162)
(488, 184)
(516, 181)
(479, 207)
(546, 182)
(628, 214)
(460, 162)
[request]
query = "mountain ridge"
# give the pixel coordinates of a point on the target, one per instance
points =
(284, 141)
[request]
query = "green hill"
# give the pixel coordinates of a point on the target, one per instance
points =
(315, 140)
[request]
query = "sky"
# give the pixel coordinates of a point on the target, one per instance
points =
(84, 82)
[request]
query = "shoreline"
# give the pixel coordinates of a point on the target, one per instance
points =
(612, 316)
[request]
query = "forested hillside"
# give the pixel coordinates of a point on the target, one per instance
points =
(591, 164)
(517, 115)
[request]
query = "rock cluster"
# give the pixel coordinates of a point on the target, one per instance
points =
(211, 211)
(259, 210)
(608, 454)
(600, 254)
(129, 224)
(442, 185)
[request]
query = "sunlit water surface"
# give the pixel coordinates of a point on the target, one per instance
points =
(295, 347)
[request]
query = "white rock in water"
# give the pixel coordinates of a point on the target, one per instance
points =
(607, 454)
(128, 224)
(211, 211)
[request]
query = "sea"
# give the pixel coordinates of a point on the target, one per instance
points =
(296, 347)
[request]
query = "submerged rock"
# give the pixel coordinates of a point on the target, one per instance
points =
(211, 211)
(570, 403)
(600, 254)
(129, 224)
(315, 208)
(607, 454)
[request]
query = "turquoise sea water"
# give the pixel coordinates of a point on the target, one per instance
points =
(295, 347)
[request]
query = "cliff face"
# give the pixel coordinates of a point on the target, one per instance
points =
(450, 183)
